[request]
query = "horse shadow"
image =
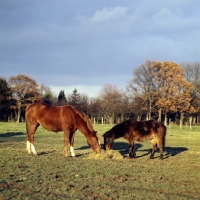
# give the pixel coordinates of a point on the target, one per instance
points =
(173, 151)
(10, 134)
(122, 147)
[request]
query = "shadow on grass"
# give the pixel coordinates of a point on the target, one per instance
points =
(122, 147)
(46, 152)
(173, 151)
(11, 134)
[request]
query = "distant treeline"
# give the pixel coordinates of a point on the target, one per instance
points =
(165, 91)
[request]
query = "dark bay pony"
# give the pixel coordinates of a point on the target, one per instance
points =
(59, 118)
(141, 131)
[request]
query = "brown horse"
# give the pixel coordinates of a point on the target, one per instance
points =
(59, 118)
(133, 130)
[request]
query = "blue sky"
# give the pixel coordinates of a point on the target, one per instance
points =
(67, 44)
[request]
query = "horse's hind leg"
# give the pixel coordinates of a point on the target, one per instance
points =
(161, 145)
(132, 153)
(30, 138)
(154, 147)
(71, 142)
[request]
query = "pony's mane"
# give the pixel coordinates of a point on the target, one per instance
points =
(85, 118)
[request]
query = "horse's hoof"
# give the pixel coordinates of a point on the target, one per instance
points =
(151, 156)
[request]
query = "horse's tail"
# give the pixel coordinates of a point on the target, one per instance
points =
(27, 129)
(161, 133)
(27, 125)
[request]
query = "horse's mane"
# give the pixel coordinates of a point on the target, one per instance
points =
(85, 118)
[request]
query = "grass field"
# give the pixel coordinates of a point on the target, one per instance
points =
(52, 176)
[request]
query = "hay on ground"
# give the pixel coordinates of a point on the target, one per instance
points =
(106, 155)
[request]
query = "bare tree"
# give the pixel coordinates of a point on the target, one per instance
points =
(24, 90)
(111, 102)
(143, 87)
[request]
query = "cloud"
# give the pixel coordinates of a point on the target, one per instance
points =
(105, 15)
(73, 45)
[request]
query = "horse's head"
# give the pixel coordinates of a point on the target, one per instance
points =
(108, 140)
(93, 142)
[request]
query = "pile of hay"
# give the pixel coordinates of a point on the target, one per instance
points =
(105, 155)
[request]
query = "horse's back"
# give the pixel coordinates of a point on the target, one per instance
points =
(52, 118)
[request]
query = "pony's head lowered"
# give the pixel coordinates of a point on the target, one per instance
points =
(108, 140)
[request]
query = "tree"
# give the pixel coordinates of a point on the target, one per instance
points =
(111, 102)
(191, 73)
(173, 90)
(5, 97)
(94, 109)
(47, 95)
(74, 98)
(61, 98)
(24, 90)
(84, 103)
(161, 86)
(143, 87)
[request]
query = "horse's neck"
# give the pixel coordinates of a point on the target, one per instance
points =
(83, 126)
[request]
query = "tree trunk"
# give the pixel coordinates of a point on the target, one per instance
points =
(165, 121)
(190, 121)
(159, 114)
(139, 118)
(181, 119)
(18, 114)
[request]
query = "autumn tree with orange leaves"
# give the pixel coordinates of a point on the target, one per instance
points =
(24, 90)
(173, 90)
(163, 88)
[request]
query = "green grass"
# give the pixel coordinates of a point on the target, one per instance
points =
(52, 176)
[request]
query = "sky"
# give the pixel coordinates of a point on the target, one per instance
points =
(68, 44)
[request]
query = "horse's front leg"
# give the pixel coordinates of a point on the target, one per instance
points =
(132, 153)
(66, 138)
(71, 142)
